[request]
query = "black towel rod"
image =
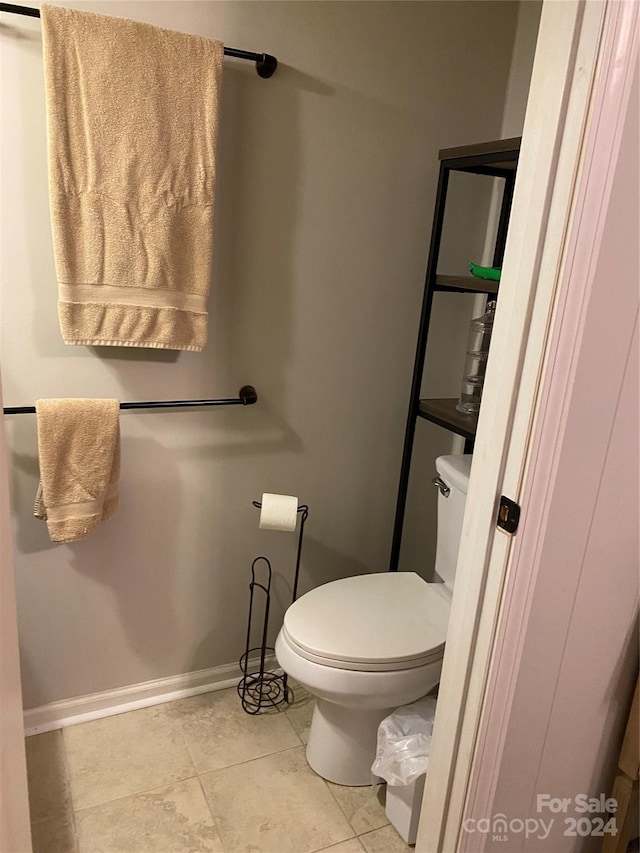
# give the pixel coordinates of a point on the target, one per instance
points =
(265, 63)
(247, 397)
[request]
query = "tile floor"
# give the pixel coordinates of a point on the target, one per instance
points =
(194, 776)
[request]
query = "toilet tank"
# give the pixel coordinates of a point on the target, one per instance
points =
(454, 471)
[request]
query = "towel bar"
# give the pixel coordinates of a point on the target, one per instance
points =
(265, 63)
(247, 396)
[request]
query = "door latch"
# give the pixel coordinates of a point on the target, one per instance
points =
(508, 515)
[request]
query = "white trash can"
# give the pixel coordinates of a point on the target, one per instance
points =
(403, 807)
(402, 757)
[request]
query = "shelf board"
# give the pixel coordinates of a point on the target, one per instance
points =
(497, 157)
(466, 284)
(444, 414)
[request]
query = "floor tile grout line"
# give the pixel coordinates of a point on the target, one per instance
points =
(249, 760)
(158, 708)
(310, 699)
(184, 740)
(216, 825)
(67, 773)
(196, 771)
(337, 801)
(259, 758)
(137, 793)
(178, 718)
(357, 834)
(298, 734)
(284, 711)
(337, 844)
(379, 829)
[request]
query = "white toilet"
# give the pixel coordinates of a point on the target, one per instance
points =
(365, 645)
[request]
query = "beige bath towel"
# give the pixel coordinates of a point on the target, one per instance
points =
(132, 115)
(79, 450)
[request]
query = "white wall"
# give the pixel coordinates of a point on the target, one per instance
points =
(327, 180)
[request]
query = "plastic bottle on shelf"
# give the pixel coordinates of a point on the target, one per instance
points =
(475, 364)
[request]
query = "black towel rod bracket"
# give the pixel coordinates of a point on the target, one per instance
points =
(247, 397)
(265, 63)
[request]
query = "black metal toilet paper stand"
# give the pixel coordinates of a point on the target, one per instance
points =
(263, 689)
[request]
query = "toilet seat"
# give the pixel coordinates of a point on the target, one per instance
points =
(377, 622)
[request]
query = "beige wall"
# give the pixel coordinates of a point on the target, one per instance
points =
(327, 180)
(524, 47)
(471, 222)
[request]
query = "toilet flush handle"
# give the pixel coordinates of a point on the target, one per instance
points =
(445, 491)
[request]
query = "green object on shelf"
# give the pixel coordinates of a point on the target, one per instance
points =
(492, 273)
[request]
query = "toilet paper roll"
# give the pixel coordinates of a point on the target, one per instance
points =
(279, 512)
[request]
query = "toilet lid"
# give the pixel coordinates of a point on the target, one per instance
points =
(387, 620)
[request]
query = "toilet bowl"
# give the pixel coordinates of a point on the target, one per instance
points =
(365, 645)
(340, 643)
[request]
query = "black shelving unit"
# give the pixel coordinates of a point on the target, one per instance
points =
(497, 159)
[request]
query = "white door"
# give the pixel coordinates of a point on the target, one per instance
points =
(15, 833)
(580, 84)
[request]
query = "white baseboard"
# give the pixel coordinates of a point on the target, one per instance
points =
(93, 706)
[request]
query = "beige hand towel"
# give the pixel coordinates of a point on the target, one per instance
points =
(132, 115)
(79, 449)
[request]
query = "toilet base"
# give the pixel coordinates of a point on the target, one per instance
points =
(342, 742)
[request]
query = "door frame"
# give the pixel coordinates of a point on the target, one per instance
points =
(15, 829)
(569, 58)
(575, 456)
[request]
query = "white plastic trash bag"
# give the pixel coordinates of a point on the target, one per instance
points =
(404, 742)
